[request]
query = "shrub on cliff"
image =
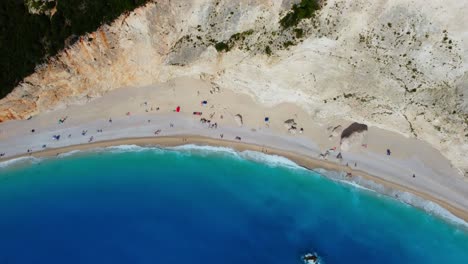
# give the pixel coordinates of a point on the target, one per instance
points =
(304, 9)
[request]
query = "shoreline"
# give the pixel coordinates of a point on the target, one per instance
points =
(302, 160)
(176, 113)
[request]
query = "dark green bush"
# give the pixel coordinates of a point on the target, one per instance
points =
(221, 46)
(304, 9)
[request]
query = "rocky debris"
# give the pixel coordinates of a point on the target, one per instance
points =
(238, 119)
(290, 123)
(353, 135)
(215, 89)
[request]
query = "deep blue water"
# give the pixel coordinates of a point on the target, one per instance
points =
(167, 206)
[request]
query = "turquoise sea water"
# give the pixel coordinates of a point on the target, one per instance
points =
(202, 206)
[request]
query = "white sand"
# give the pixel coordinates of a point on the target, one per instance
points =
(435, 178)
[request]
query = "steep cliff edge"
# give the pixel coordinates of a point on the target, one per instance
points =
(393, 64)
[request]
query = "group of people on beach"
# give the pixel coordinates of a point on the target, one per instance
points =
(151, 109)
(203, 120)
(207, 121)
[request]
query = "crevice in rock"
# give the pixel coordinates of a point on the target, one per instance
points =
(410, 125)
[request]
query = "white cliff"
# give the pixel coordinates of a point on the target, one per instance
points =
(396, 64)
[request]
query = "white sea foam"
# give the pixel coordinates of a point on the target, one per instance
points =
(18, 161)
(405, 197)
(413, 200)
(341, 177)
(430, 207)
(272, 160)
(125, 148)
(203, 148)
(67, 154)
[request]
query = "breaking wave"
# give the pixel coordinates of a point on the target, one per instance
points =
(402, 196)
(271, 160)
(70, 153)
(20, 161)
(200, 149)
(123, 148)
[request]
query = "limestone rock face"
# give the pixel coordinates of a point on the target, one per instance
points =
(353, 136)
(396, 64)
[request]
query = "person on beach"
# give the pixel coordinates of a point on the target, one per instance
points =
(414, 176)
(157, 132)
(91, 139)
(238, 138)
(2, 154)
(33, 130)
(62, 120)
(389, 152)
(222, 135)
(84, 132)
(110, 120)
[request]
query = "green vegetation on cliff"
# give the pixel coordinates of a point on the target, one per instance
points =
(27, 38)
(304, 9)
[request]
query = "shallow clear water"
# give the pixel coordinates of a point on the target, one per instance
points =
(168, 206)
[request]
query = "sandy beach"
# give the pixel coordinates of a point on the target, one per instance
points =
(170, 114)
